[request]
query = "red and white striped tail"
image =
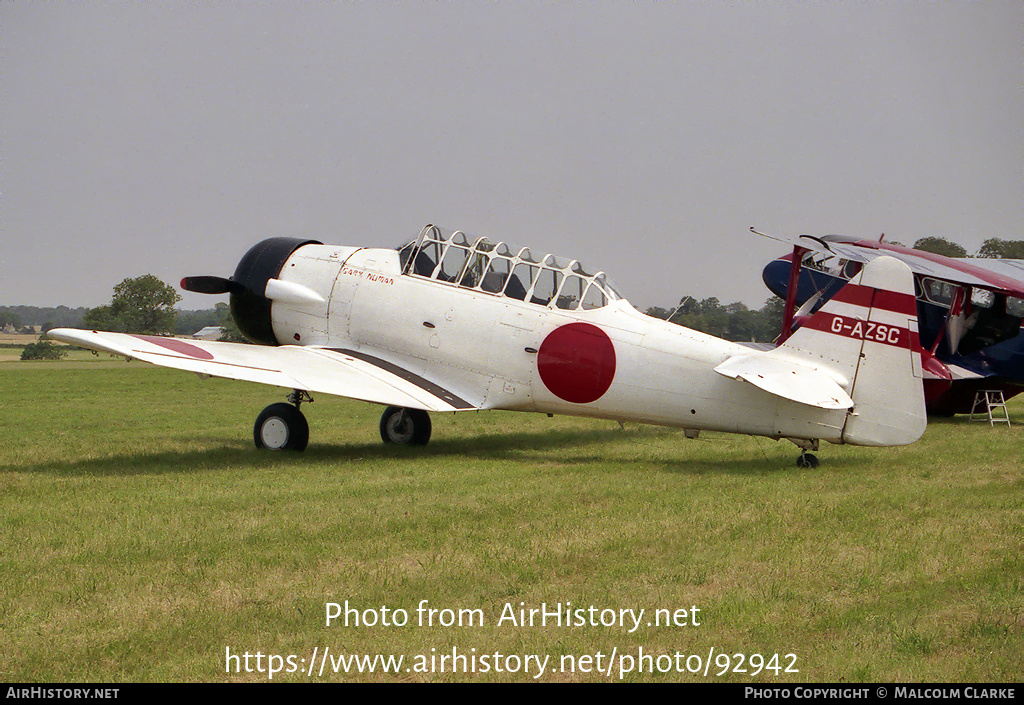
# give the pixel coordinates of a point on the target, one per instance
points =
(867, 334)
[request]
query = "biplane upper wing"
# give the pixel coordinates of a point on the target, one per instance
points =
(984, 273)
(1003, 274)
(348, 373)
(1010, 268)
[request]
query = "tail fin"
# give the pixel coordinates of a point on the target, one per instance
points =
(867, 335)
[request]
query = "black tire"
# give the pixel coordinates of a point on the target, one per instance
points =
(281, 427)
(405, 426)
(807, 461)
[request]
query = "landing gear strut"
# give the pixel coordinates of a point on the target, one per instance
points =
(806, 460)
(405, 426)
(282, 426)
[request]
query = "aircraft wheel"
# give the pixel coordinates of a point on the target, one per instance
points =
(405, 426)
(807, 460)
(281, 427)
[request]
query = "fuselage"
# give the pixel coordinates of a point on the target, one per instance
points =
(585, 353)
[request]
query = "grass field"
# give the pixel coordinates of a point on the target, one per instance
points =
(145, 539)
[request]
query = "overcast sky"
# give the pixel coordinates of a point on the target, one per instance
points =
(642, 138)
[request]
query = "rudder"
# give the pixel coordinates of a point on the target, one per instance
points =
(867, 335)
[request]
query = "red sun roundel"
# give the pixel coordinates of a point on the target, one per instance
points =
(577, 362)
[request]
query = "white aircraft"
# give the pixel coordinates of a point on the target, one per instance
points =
(447, 323)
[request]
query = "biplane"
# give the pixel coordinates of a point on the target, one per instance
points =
(969, 310)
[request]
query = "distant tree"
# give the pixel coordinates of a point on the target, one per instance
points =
(733, 321)
(43, 350)
(940, 246)
(1002, 249)
(8, 318)
(102, 318)
(61, 316)
(227, 322)
(188, 322)
(716, 318)
(140, 305)
(743, 323)
(771, 318)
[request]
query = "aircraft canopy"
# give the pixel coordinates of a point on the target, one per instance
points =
(452, 257)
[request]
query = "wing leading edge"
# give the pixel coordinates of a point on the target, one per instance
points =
(1003, 274)
(340, 372)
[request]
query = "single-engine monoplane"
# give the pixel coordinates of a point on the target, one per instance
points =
(450, 323)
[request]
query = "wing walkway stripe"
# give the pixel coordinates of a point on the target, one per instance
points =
(411, 377)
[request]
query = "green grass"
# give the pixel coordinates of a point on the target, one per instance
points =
(142, 535)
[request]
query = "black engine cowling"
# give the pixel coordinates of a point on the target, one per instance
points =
(249, 307)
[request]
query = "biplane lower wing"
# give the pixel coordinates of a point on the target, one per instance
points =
(341, 372)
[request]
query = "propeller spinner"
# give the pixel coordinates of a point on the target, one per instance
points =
(250, 297)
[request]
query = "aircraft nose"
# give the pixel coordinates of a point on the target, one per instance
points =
(775, 276)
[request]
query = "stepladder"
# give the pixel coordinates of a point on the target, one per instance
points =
(987, 401)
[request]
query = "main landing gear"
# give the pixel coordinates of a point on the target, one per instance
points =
(282, 426)
(405, 426)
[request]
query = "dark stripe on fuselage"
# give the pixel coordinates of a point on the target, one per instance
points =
(869, 297)
(411, 377)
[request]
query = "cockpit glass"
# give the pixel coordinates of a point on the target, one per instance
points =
(571, 293)
(594, 298)
(474, 270)
(545, 287)
(983, 298)
(556, 262)
(610, 290)
(454, 261)
(497, 274)
(526, 256)
(938, 291)
(520, 281)
(495, 268)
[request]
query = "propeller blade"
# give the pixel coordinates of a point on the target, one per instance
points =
(210, 285)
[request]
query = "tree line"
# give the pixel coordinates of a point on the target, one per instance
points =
(23, 318)
(146, 305)
(733, 321)
(993, 248)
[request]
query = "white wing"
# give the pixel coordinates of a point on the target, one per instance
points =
(347, 373)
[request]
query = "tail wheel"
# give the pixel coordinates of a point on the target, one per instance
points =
(281, 427)
(405, 426)
(806, 460)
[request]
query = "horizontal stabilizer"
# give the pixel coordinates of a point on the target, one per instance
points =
(787, 379)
